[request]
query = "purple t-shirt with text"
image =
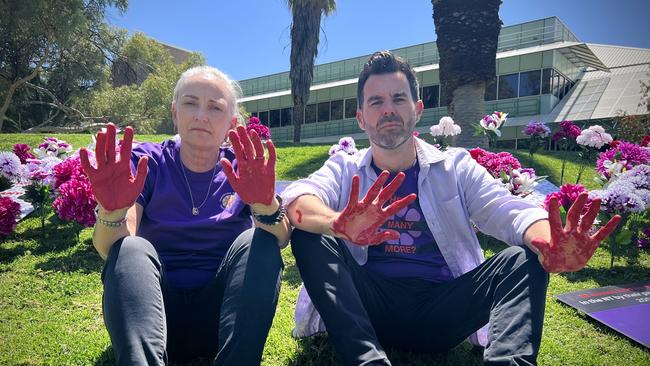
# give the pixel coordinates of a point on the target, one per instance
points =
(415, 254)
(190, 247)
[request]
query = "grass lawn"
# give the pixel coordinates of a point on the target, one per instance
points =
(50, 292)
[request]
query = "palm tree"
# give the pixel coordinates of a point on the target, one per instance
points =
(305, 35)
(467, 37)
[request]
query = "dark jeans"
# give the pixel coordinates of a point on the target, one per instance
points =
(365, 312)
(230, 317)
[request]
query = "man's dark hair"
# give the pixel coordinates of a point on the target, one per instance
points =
(385, 62)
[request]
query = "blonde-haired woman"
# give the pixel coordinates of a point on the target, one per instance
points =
(191, 231)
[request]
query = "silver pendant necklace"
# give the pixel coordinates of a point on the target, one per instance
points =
(195, 209)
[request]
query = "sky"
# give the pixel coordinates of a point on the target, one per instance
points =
(251, 38)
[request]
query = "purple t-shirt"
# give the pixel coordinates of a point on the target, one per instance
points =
(415, 254)
(190, 247)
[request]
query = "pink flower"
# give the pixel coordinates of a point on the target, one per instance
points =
(69, 169)
(566, 196)
(75, 202)
(22, 151)
(9, 212)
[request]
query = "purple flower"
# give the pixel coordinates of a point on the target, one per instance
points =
(10, 166)
(9, 211)
(536, 129)
(622, 197)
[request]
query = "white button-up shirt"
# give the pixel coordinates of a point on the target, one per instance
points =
(454, 192)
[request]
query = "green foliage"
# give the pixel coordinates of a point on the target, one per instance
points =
(145, 106)
(633, 128)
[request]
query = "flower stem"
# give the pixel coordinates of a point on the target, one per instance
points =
(566, 149)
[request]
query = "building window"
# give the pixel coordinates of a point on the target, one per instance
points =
(546, 81)
(286, 116)
(508, 86)
(561, 87)
(555, 87)
(310, 113)
(529, 83)
(254, 114)
(336, 110)
(491, 89)
(351, 108)
(323, 112)
(430, 96)
(264, 117)
(274, 118)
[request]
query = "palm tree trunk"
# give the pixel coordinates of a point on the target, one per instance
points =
(471, 107)
(298, 119)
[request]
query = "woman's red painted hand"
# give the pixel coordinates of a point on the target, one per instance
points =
(112, 182)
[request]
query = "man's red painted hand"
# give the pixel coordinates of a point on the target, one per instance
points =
(112, 182)
(360, 220)
(571, 246)
(254, 181)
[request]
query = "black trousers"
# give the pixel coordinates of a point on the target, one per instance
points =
(365, 312)
(149, 321)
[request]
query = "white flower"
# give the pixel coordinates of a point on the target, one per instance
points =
(526, 181)
(334, 149)
(594, 136)
(492, 122)
(446, 127)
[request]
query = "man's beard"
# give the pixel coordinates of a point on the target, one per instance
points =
(390, 140)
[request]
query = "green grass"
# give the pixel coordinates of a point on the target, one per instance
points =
(50, 292)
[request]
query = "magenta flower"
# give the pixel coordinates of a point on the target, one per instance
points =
(22, 151)
(75, 202)
(254, 123)
(624, 156)
(9, 212)
(67, 170)
(567, 130)
(567, 194)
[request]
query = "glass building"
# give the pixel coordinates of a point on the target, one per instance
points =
(544, 72)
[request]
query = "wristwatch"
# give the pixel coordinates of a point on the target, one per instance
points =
(274, 218)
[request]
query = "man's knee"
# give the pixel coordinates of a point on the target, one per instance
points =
(258, 243)
(524, 257)
(131, 247)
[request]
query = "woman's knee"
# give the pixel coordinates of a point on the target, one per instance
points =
(132, 253)
(301, 240)
(259, 244)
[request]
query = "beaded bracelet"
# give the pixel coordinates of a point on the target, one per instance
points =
(112, 224)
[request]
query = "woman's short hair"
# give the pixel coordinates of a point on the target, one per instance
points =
(234, 90)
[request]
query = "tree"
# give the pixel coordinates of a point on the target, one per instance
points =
(38, 37)
(467, 38)
(305, 35)
(144, 104)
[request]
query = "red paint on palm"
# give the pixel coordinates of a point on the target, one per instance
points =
(571, 246)
(360, 220)
(254, 181)
(112, 182)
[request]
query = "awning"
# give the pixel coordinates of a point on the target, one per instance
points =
(581, 55)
